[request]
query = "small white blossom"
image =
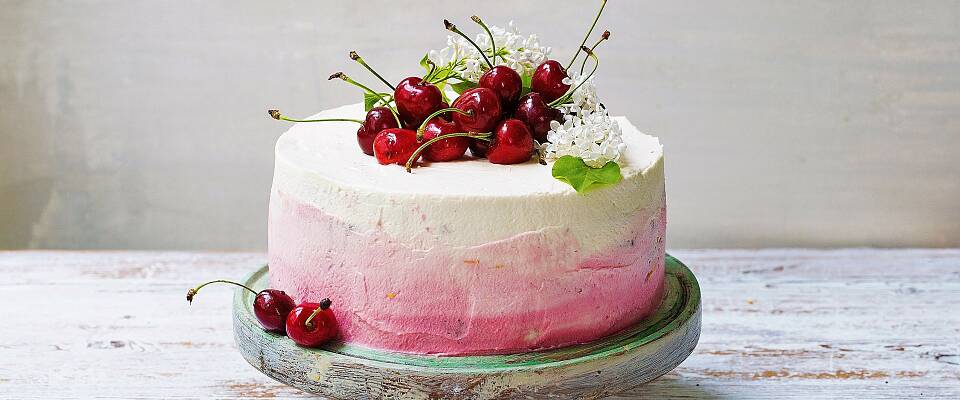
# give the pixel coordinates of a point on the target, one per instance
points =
(584, 98)
(590, 134)
(522, 53)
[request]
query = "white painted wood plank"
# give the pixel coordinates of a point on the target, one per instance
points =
(776, 323)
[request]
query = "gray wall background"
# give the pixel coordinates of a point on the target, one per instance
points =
(141, 124)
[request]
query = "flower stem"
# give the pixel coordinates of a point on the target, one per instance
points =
(493, 45)
(605, 36)
(356, 57)
(584, 42)
(566, 96)
(278, 116)
(416, 154)
(423, 125)
(193, 292)
(453, 28)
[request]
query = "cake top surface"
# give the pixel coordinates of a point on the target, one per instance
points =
(329, 150)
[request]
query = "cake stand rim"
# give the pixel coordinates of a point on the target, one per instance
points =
(690, 309)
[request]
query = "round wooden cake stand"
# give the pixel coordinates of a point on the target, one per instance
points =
(605, 367)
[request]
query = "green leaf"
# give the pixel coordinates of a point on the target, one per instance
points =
(463, 86)
(525, 84)
(571, 170)
(442, 73)
(423, 61)
(582, 177)
(443, 91)
(525, 80)
(371, 100)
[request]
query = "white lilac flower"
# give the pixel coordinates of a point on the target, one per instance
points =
(591, 135)
(522, 53)
(585, 97)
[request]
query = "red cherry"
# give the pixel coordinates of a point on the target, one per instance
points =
(447, 115)
(416, 100)
(446, 149)
(395, 145)
(511, 143)
(312, 324)
(505, 82)
(478, 148)
(548, 80)
(483, 106)
(534, 111)
(270, 306)
(378, 119)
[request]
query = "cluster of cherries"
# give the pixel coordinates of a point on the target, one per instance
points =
(307, 324)
(492, 119)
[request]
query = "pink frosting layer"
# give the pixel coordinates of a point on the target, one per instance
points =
(534, 290)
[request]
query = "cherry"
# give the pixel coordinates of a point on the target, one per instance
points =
(534, 111)
(505, 82)
(270, 306)
(378, 119)
(416, 99)
(444, 149)
(511, 143)
(395, 145)
(447, 115)
(548, 80)
(478, 148)
(482, 110)
(312, 324)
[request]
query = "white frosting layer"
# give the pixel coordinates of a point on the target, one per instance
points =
(463, 203)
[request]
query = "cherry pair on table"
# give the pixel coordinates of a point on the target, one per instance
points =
(307, 324)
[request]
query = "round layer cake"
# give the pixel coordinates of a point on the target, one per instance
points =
(464, 257)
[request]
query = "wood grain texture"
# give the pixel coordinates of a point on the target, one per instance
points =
(637, 355)
(776, 323)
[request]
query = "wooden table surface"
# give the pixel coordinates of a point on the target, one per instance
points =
(857, 323)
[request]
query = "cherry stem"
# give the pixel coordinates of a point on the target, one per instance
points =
(453, 28)
(493, 45)
(356, 57)
(324, 304)
(584, 42)
(193, 292)
(566, 96)
(480, 136)
(436, 113)
(605, 36)
(433, 68)
(345, 78)
(276, 115)
(538, 154)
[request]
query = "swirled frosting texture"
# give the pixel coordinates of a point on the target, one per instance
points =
(464, 257)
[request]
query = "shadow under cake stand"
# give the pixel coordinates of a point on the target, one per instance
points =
(601, 368)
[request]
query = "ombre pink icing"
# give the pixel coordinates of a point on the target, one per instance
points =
(534, 290)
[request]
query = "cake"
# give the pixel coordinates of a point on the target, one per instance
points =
(550, 233)
(464, 257)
